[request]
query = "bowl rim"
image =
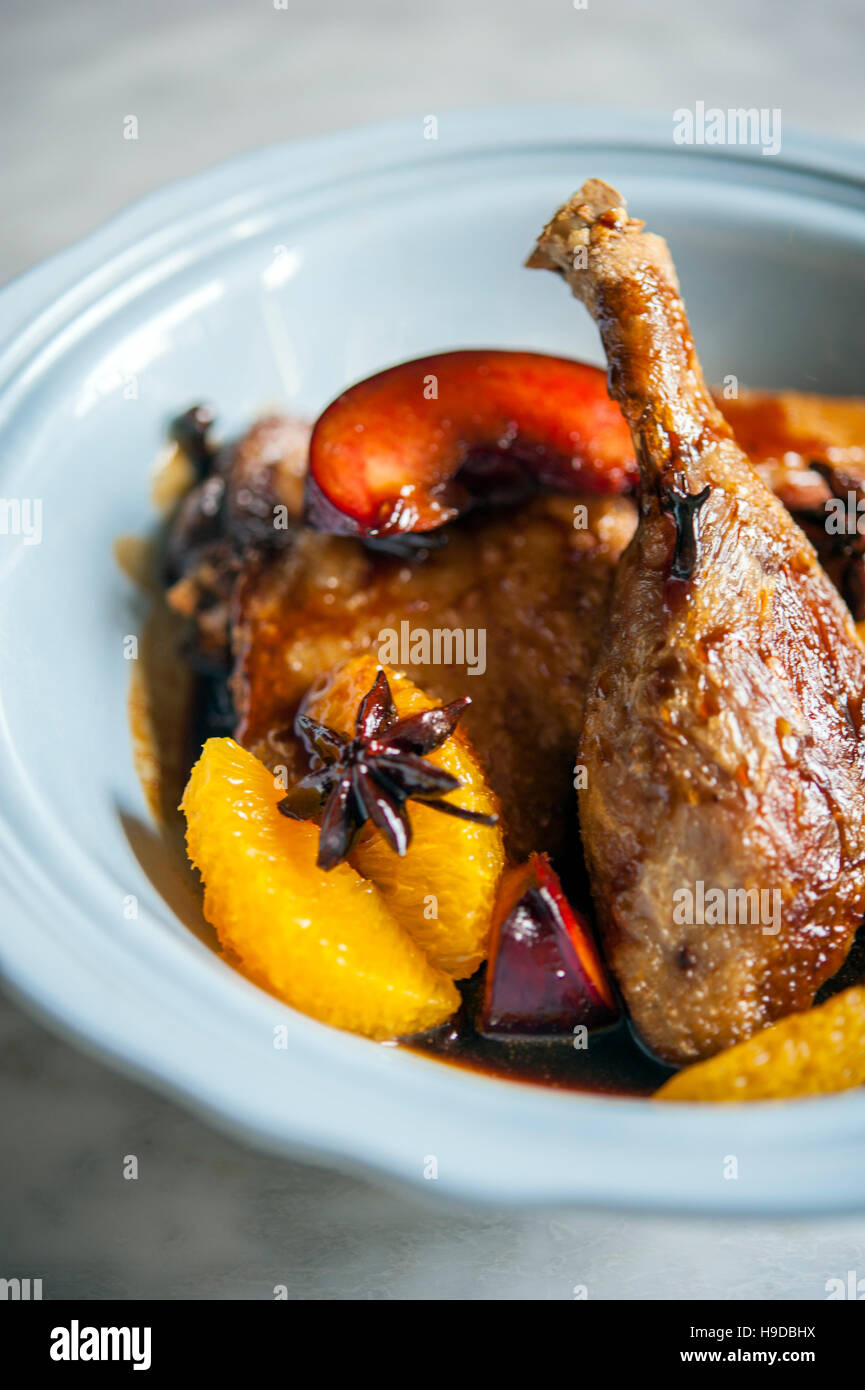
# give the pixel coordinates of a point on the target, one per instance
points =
(528, 1149)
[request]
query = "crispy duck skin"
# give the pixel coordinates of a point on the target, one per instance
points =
(537, 585)
(722, 736)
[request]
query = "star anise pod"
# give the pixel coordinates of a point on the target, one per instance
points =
(372, 775)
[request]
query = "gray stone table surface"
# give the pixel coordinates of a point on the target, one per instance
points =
(208, 78)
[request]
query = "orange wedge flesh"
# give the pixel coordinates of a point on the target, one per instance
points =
(820, 1050)
(442, 890)
(326, 943)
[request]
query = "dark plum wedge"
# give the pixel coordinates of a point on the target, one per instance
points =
(414, 446)
(545, 974)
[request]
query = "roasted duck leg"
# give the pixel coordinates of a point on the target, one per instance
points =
(724, 813)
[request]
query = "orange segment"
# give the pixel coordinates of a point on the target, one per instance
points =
(326, 943)
(804, 1054)
(442, 891)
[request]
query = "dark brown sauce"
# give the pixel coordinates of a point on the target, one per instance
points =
(611, 1064)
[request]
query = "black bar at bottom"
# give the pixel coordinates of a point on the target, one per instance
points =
(83, 1338)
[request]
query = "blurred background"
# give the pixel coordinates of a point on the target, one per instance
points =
(207, 79)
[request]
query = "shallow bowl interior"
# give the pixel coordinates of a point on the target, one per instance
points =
(275, 281)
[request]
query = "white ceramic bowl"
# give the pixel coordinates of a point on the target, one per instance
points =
(279, 278)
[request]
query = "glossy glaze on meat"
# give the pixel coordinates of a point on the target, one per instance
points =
(535, 584)
(723, 729)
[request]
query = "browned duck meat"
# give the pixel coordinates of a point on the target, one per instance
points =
(523, 593)
(515, 602)
(247, 502)
(724, 814)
